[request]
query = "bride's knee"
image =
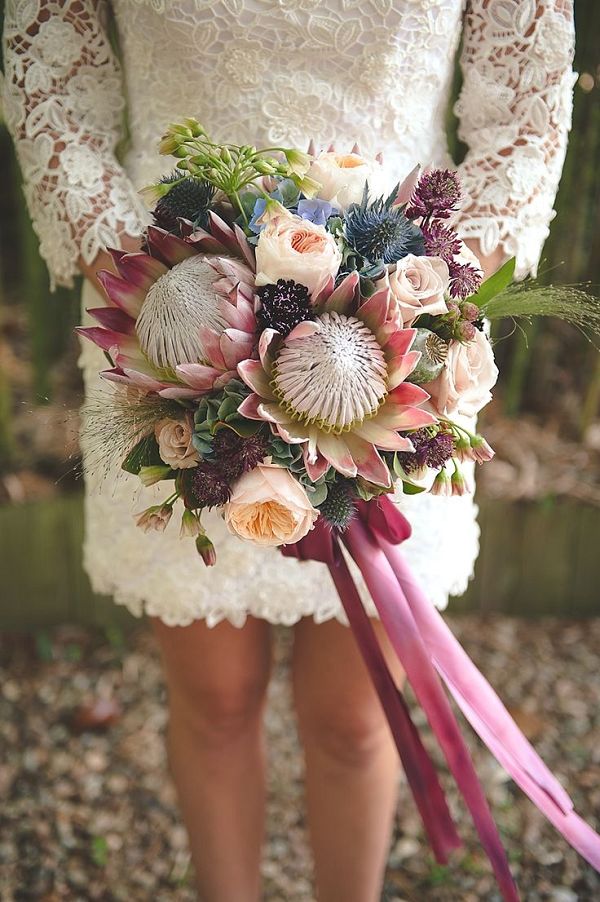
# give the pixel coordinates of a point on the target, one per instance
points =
(218, 712)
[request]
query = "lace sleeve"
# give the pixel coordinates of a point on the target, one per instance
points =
(63, 104)
(515, 114)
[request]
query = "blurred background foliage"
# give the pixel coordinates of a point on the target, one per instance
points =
(550, 374)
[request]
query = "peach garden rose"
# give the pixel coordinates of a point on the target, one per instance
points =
(269, 507)
(290, 247)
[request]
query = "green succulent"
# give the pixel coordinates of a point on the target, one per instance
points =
(218, 410)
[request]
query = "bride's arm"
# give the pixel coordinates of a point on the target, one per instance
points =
(515, 114)
(63, 102)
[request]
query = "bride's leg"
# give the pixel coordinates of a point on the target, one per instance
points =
(351, 762)
(216, 681)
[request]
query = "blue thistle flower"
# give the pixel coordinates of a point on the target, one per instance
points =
(380, 231)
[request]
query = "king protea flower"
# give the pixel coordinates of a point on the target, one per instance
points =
(336, 384)
(178, 320)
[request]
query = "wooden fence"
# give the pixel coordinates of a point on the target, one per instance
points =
(535, 560)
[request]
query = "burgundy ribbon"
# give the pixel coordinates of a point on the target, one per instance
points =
(427, 651)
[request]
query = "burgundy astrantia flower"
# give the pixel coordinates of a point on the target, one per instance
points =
(181, 317)
(464, 279)
(236, 454)
(437, 193)
(206, 486)
(430, 450)
(441, 241)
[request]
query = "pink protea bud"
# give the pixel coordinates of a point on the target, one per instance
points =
(482, 452)
(206, 550)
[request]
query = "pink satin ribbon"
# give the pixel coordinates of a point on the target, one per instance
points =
(428, 651)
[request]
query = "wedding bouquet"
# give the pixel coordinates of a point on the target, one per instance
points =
(293, 345)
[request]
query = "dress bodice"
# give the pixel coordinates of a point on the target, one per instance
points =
(283, 71)
(274, 72)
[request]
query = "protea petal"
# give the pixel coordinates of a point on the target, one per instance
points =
(114, 319)
(253, 374)
(235, 346)
(373, 312)
(321, 296)
(106, 339)
(122, 293)
(140, 270)
(384, 438)
(317, 468)
(342, 298)
(401, 367)
(399, 342)
(406, 188)
(268, 343)
(368, 462)
(168, 247)
(211, 345)
(407, 393)
(144, 380)
(180, 393)
(197, 376)
(249, 407)
(336, 451)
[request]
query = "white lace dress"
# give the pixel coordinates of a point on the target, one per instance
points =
(373, 71)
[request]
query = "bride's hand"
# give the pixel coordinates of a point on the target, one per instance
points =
(104, 260)
(489, 264)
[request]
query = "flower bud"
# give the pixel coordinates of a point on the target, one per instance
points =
(482, 452)
(462, 448)
(156, 517)
(459, 483)
(206, 550)
(442, 484)
(470, 312)
(465, 331)
(151, 475)
(190, 525)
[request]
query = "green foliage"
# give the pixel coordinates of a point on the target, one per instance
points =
(495, 284)
(218, 410)
(145, 454)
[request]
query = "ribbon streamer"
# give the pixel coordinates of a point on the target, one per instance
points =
(428, 651)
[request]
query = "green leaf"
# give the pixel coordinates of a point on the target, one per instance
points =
(495, 284)
(144, 454)
(318, 495)
(409, 489)
(99, 851)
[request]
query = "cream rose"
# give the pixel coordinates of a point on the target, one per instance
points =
(418, 285)
(342, 177)
(293, 248)
(269, 507)
(464, 385)
(174, 439)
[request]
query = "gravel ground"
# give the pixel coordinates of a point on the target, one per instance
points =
(88, 813)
